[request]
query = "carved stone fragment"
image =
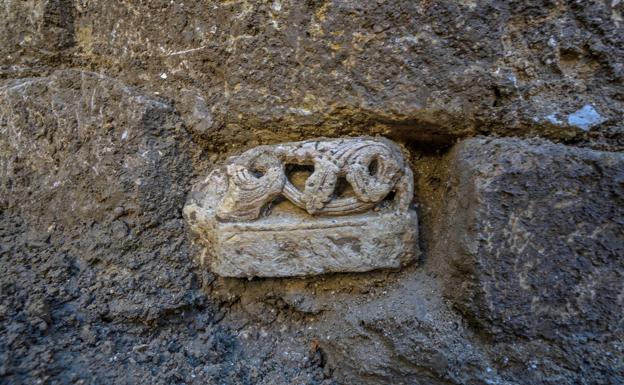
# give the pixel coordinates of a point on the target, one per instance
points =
(305, 208)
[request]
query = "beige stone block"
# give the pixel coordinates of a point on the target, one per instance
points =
(306, 208)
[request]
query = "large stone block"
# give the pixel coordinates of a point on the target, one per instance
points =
(250, 220)
(78, 148)
(93, 169)
(427, 70)
(534, 238)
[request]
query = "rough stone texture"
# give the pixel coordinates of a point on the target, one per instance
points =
(406, 337)
(427, 70)
(248, 215)
(35, 32)
(531, 245)
(95, 270)
(118, 299)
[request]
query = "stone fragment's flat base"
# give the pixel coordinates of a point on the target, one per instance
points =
(278, 248)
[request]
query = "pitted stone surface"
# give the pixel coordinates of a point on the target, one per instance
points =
(306, 208)
(533, 236)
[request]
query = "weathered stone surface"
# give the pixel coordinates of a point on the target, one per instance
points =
(539, 229)
(87, 149)
(36, 30)
(408, 336)
(92, 170)
(92, 184)
(350, 226)
(531, 249)
(428, 70)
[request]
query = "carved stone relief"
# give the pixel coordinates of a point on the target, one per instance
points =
(306, 208)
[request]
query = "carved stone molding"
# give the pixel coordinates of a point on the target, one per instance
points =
(305, 208)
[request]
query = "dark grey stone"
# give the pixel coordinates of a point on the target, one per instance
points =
(530, 247)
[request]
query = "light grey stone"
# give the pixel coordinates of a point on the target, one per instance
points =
(306, 208)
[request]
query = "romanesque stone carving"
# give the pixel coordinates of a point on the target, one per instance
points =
(304, 208)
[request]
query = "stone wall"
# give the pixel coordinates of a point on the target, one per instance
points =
(511, 115)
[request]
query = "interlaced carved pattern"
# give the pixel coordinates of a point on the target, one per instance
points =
(373, 168)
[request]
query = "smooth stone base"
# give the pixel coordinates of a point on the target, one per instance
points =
(359, 243)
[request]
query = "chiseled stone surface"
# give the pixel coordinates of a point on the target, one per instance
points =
(306, 208)
(93, 168)
(528, 250)
(532, 241)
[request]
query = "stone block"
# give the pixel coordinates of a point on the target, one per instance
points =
(93, 171)
(306, 208)
(82, 148)
(533, 234)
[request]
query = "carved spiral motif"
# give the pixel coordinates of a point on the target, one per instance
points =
(372, 167)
